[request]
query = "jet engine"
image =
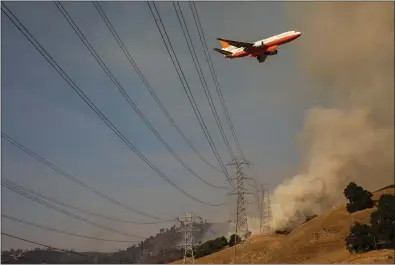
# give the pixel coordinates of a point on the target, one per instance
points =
(274, 52)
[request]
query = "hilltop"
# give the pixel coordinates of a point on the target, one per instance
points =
(320, 240)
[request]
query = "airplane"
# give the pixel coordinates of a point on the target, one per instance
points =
(260, 49)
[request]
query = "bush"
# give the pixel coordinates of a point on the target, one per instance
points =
(359, 199)
(282, 232)
(383, 221)
(360, 239)
(210, 247)
(381, 233)
(220, 242)
(234, 240)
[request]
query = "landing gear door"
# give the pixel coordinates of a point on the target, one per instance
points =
(261, 58)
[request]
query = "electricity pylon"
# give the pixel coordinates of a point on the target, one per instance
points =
(265, 215)
(240, 192)
(261, 204)
(188, 222)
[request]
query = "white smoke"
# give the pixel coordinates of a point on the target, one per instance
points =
(348, 50)
(253, 226)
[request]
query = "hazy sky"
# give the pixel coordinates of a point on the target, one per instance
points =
(42, 112)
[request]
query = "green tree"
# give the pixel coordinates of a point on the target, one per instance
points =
(234, 240)
(359, 198)
(360, 239)
(210, 247)
(383, 221)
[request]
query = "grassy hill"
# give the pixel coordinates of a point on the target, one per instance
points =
(159, 249)
(320, 240)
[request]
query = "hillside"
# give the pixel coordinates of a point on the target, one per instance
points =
(320, 240)
(160, 248)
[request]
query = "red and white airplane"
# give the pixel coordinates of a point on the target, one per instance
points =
(259, 49)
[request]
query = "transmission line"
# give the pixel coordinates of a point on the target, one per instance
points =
(63, 232)
(186, 88)
(22, 191)
(198, 68)
(70, 177)
(86, 99)
(47, 246)
(146, 84)
(92, 213)
(214, 75)
(120, 88)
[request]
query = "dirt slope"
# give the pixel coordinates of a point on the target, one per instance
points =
(321, 240)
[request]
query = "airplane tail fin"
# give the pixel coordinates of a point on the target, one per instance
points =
(224, 44)
(222, 51)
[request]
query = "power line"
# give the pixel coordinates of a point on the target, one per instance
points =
(106, 217)
(146, 84)
(186, 88)
(70, 177)
(120, 88)
(63, 232)
(213, 73)
(198, 68)
(92, 213)
(43, 245)
(48, 247)
(22, 191)
(86, 99)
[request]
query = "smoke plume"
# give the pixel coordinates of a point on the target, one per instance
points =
(253, 226)
(347, 50)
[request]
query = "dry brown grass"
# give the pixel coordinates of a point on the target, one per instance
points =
(321, 240)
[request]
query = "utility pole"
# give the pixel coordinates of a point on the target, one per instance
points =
(240, 192)
(188, 222)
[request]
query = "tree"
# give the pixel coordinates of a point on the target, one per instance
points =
(234, 240)
(210, 247)
(219, 243)
(383, 221)
(360, 239)
(359, 198)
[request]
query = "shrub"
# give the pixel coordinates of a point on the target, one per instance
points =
(220, 242)
(383, 221)
(282, 232)
(360, 239)
(210, 246)
(234, 240)
(359, 199)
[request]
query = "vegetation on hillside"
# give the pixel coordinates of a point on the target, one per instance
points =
(359, 198)
(210, 247)
(381, 231)
(234, 240)
(161, 248)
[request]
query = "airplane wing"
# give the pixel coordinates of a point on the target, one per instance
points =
(238, 44)
(222, 51)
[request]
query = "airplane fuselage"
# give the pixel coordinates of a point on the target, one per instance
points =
(264, 47)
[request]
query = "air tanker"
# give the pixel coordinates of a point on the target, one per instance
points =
(260, 49)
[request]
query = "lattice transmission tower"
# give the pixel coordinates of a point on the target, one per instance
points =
(189, 222)
(240, 192)
(265, 215)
